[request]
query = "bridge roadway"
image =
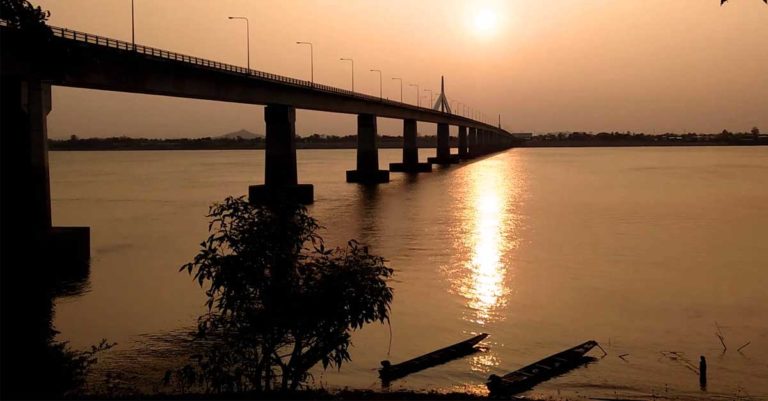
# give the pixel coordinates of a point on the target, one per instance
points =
(31, 64)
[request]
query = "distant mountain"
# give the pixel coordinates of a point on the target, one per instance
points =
(245, 134)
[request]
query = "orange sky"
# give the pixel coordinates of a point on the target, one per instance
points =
(586, 65)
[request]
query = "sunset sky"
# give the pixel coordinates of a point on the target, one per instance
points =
(558, 65)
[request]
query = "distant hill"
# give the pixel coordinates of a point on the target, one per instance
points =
(245, 134)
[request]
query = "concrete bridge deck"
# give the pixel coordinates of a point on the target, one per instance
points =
(31, 64)
(83, 60)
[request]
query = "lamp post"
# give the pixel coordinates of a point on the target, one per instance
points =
(401, 88)
(311, 60)
(247, 40)
(133, 29)
(430, 95)
(353, 70)
(380, 91)
(417, 94)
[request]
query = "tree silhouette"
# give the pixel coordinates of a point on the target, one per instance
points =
(279, 302)
(22, 14)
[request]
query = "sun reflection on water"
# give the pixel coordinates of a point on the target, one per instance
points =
(487, 235)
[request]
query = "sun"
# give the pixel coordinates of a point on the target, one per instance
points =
(485, 22)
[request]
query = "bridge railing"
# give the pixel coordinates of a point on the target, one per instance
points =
(151, 51)
(84, 37)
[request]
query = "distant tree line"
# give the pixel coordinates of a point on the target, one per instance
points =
(753, 137)
(317, 141)
(314, 141)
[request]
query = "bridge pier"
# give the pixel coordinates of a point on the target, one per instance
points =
(280, 171)
(489, 142)
(463, 152)
(480, 142)
(472, 143)
(443, 146)
(410, 162)
(367, 153)
(486, 147)
(25, 181)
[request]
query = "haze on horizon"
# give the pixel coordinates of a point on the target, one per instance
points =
(649, 66)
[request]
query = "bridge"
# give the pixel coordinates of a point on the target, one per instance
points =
(31, 64)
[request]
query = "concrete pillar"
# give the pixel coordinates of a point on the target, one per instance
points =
(472, 142)
(280, 151)
(443, 146)
(410, 162)
(25, 182)
(493, 140)
(443, 141)
(463, 152)
(481, 142)
(367, 153)
(280, 170)
(410, 147)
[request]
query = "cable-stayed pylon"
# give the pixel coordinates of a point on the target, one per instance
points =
(442, 102)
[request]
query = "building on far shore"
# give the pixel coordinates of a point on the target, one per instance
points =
(526, 136)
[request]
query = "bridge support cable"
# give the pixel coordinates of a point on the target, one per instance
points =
(367, 171)
(280, 170)
(410, 162)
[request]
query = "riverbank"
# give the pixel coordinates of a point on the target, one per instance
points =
(300, 395)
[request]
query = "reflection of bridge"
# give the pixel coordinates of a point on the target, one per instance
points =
(31, 64)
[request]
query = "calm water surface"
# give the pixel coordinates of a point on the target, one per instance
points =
(642, 249)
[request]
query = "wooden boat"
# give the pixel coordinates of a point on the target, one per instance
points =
(537, 372)
(389, 372)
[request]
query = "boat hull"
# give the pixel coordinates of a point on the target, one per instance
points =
(527, 377)
(389, 372)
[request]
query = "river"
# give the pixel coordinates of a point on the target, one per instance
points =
(645, 250)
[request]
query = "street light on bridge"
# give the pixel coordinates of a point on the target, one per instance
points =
(417, 94)
(311, 60)
(380, 91)
(247, 40)
(401, 88)
(353, 71)
(430, 95)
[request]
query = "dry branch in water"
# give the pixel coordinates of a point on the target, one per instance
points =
(720, 336)
(743, 346)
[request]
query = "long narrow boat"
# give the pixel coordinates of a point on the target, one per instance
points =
(537, 372)
(389, 372)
